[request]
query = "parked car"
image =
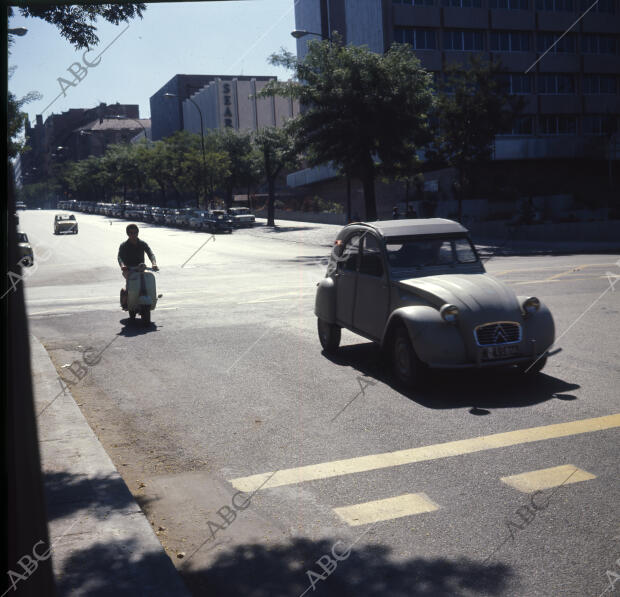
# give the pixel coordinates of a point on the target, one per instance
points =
(159, 214)
(24, 249)
(419, 289)
(20, 205)
(218, 221)
(170, 217)
(198, 219)
(65, 223)
(183, 215)
(241, 217)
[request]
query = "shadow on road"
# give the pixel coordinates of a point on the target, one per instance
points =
(135, 327)
(491, 388)
(254, 570)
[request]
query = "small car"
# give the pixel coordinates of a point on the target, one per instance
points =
(65, 223)
(241, 217)
(218, 220)
(20, 205)
(24, 249)
(183, 216)
(418, 288)
(198, 219)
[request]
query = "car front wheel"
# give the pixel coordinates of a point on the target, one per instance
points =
(408, 369)
(329, 335)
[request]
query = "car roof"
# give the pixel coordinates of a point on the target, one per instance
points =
(411, 227)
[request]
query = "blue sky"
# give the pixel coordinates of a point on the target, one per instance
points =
(219, 38)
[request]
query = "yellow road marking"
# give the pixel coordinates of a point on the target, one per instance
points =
(387, 509)
(547, 478)
(361, 464)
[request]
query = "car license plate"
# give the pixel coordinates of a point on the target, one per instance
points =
(500, 352)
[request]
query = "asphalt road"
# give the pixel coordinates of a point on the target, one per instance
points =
(230, 382)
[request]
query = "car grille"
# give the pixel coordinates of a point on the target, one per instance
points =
(499, 332)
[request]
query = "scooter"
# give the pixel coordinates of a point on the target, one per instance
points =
(141, 292)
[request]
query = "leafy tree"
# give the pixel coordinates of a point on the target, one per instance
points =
(16, 118)
(364, 112)
(276, 149)
(472, 108)
(75, 21)
(242, 167)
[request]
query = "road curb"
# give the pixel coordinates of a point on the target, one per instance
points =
(102, 542)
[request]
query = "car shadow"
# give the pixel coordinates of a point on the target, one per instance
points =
(443, 389)
(135, 327)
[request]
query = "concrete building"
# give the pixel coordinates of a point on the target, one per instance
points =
(232, 102)
(167, 114)
(571, 83)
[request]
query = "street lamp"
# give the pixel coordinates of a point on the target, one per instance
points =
(299, 33)
(123, 117)
(18, 31)
(202, 143)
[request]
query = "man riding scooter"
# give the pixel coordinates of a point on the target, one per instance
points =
(131, 255)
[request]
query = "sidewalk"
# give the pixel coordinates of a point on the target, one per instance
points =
(103, 544)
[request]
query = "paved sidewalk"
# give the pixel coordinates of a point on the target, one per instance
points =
(102, 543)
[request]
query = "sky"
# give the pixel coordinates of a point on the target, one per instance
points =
(217, 38)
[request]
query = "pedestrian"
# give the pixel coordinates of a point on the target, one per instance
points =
(411, 214)
(395, 214)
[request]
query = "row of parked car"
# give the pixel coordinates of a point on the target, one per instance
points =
(215, 220)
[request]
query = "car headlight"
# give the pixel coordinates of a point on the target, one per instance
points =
(531, 305)
(449, 313)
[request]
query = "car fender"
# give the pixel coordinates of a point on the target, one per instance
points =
(538, 327)
(433, 339)
(325, 300)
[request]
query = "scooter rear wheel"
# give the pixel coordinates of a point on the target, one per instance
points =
(132, 314)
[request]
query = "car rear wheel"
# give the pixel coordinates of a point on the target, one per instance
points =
(533, 367)
(329, 335)
(408, 369)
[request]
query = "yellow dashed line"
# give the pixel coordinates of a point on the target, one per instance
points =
(547, 478)
(387, 509)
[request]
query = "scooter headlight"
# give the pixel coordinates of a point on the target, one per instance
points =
(449, 313)
(531, 305)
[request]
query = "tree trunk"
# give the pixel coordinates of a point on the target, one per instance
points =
(368, 183)
(271, 207)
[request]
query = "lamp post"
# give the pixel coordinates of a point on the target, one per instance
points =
(299, 33)
(123, 117)
(21, 31)
(202, 144)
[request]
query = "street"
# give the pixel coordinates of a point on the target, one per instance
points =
(350, 485)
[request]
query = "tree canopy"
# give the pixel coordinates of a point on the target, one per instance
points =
(366, 113)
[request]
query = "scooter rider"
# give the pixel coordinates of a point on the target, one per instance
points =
(130, 254)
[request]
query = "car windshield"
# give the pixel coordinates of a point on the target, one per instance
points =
(21, 237)
(407, 255)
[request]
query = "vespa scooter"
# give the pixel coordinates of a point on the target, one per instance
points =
(141, 292)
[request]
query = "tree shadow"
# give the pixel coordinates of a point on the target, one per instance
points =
(255, 570)
(67, 494)
(493, 388)
(278, 228)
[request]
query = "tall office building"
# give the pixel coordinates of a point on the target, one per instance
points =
(570, 81)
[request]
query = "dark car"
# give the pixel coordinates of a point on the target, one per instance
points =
(218, 221)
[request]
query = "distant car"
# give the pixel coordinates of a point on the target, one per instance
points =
(24, 250)
(218, 221)
(419, 289)
(198, 219)
(241, 217)
(183, 216)
(20, 205)
(65, 223)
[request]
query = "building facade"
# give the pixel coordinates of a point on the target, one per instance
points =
(570, 81)
(167, 104)
(233, 103)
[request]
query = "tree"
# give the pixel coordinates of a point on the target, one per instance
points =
(75, 21)
(238, 147)
(16, 118)
(472, 108)
(364, 112)
(277, 152)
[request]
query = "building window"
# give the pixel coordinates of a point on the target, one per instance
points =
(415, 2)
(420, 39)
(556, 83)
(523, 125)
(515, 83)
(566, 45)
(599, 44)
(510, 4)
(509, 41)
(555, 5)
(463, 40)
(600, 84)
(558, 125)
(604, 6)
(462, 3)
